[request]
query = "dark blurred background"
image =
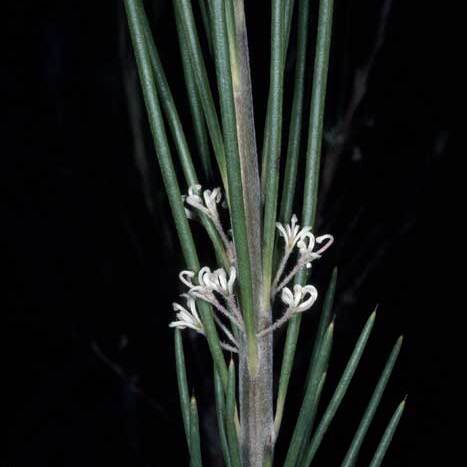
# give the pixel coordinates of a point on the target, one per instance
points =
(91, 255)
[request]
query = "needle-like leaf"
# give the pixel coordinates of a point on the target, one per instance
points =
(230, 418)
(178, 134)
(221, 417)
(387, 436)
(315, 133)
(195, 442)
(182, 384)
(354, 449)
(274, 130)
(339, 393)
(304, 420)
(199, 124)
(185, 12)
(296, 115)
(134, 11)
(234, 175)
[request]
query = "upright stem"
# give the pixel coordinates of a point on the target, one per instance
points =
(255, 381)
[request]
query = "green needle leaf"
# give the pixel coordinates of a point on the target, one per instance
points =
(340, 392)
(315, 133)
(230, 418)
(178, 135)
(352, 453)
(195, 453)
(182, 384)
(194, 101)
(323, 323)
(134, 11)
(318, 99)
(220, 411)
(184, 11)
(387, 436)
(304, 420)
(274, 131)
(234, 175)
(296, 115)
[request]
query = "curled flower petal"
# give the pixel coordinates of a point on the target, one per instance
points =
(205, 201)
(187, 318)
(287, 296)
(301, 298)
(327, 239)
(309, 294)
(186, 276)
(291, 233)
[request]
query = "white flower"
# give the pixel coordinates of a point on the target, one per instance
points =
(216, 281)
(187, 318)
(301, 298)
(222, 283)
(212, 199)
(210, 281)
(186, 277)
(291, 232)
(307, 243)
(205, 201)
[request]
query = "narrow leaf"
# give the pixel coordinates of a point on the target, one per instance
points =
(184, 11)
(315, 134)
(339, 393)
(194, 100)
(352, 453)
(220, 411)
(271, 173)
(318, 99)
(296, 115)
(178, 135)
(134, 11)
(195, 442)
(230, 418)
(182, 384)
(304, 420)
(234, 175)
(323, 323)
(387, 436)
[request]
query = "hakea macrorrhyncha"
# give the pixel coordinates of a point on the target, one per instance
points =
(217, 287)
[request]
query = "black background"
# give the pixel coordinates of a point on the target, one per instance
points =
(92, 259)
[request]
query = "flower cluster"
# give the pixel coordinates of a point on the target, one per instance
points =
(217, 287)
(206, 202)
(211, 285)
(305, 241)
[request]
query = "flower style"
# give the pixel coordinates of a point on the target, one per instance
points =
(291, 232)
(187, 317)
(301, 299)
